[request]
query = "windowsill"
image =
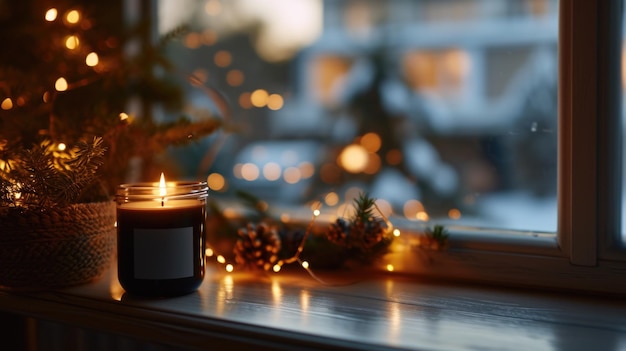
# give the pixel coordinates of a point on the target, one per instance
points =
(366, 311)
(527, 259)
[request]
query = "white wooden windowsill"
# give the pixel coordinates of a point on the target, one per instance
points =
(291, 310)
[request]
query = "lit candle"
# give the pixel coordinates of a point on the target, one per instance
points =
(161, 237)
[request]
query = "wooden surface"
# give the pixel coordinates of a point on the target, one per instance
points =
(291, 310)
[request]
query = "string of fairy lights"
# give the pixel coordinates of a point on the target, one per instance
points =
(230, 267)
(72, 42)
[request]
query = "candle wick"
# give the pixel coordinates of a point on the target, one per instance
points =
(162, 202)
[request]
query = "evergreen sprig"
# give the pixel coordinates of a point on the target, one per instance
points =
(364, 207)
(437, 237)
(42, 177)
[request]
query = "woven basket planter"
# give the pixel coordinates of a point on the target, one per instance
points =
(56, 248)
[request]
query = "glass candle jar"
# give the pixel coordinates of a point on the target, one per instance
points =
(161, 237)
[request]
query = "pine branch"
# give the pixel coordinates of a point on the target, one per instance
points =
(89, 157)
(40, 180)
(37, 176)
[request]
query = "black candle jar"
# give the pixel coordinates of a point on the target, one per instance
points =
(161, 237)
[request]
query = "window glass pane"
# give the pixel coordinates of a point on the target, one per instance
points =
(445, 111)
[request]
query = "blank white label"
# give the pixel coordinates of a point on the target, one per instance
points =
(163, 253)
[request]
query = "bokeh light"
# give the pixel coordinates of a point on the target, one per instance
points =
(275, 102)
(51, 14)
(245, 101)
(72, 17)
(222, 58)
(92, 59)
(371, 142)
(216, 181)
(353, 158)
(61, 84)
(7, 104)
(250, 171)
(393, 157)
(72, 42)
(373, 164)
(412, 208)
(234, 78)
(454, 213)
(384, 207)
(307, 169)
(331, 199)
(272, 171)
(259, 98)
(292, 175)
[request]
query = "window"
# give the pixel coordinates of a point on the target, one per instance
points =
(446, 111)
(462, 112)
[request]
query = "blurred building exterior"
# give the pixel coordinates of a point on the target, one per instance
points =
(448, 104)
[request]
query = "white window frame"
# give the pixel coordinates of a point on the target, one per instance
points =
(585, 254)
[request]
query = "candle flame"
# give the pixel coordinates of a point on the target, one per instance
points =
(162, 188)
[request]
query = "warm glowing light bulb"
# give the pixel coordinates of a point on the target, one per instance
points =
(162, 187)
(51, 14)
(92, 59)
(229, 268)
(316, 213)
(7, 104)
(305, 264)
(61, 147)
(72, 42)
(221, 259)
(276, 268)
(208, 252)
(390, 267)
(396, 232)
(72, 17)
(61, 84)
(123, 116)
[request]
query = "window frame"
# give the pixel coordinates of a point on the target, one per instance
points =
(586, 254)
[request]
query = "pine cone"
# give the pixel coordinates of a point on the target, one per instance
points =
(358, 234)
(338, 231)
(368, 234)
(364, 235)
(257, 246)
